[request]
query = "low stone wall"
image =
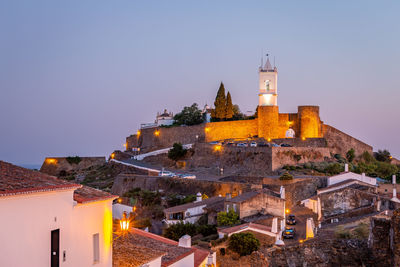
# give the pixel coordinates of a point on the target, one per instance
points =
(282, 156)
(57, 165)
(298, 142)
(125, 182)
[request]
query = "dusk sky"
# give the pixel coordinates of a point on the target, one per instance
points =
(77, 77)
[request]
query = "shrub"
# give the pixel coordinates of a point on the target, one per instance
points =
(243, 243)
(297, 157)
(382, 155)
(177, 152)
(286, 176)
(73, 160)
(176, 231)
(189, 116)
(350, 155)
(206, 229)
(334, 168)
(227, 218)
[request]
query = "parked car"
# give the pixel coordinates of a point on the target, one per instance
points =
(230, 143)
(275, 145)
(289, 232)
(242, 145)
(286, 145)
(189, 176)
(253, 144)
(166, 173)
(291, 220)
(262, 144)
(214, 143)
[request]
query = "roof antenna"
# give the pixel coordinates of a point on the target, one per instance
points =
(274, 63)
(262, 52)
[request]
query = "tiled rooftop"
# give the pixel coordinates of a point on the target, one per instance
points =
(184, 207)
(87, 194)
(139, 247)
(16, 180)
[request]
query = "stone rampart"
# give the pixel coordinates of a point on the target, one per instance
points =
(125, 182)
(340, 143)
(282, 156)
(59, 165)
(231, 129)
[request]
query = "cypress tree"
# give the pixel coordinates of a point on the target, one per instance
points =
(228, 107)
(220, 103)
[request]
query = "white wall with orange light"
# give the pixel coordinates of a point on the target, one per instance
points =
(27, 221)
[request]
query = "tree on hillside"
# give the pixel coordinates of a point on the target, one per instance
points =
(220, 104)
(243, 243)
(382, 155)
(227, 218)
(237, 114)
(228, 107)
(177, 152)
(350, 155)
(189, 116)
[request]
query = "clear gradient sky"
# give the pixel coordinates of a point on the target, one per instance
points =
(77, 77)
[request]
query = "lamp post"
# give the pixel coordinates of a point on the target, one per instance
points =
(124, 223)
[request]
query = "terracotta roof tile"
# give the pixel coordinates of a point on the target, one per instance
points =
(87, 194)
(17, 180)
(200, 255)
(184, 207)
(138, 247)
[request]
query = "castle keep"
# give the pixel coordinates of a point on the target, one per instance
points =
(299, 129)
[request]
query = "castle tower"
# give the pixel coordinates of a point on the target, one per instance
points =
(268, 85)
(268, 110)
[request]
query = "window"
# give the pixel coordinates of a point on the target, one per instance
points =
(267, 85)
(227, 207)
(96, 248)
(234, 207)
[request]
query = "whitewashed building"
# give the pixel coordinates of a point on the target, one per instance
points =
(346, 175)
(47, 221)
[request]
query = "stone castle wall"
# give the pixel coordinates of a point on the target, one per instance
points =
(125, 182)
(340, 143)
(282, 156)
(231, 129)
(56, 165)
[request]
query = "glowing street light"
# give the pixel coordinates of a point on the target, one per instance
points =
(124, 223)
(287, 211)
(157, 133)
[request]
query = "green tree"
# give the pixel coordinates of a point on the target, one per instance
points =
(177, 152)
(350, 155)
(243, 243)
(286, 176)
(229, 107)
(220, 104)
(176, 231)
(382, 155)
(227, 218)
(237, 114)
(189, 116)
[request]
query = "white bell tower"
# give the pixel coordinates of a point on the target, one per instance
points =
(268, 95)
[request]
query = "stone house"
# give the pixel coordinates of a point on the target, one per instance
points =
(191, 212)
(256, 202)
(51, 222)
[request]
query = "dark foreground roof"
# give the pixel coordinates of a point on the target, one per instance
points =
(139, 247)
(15, 180)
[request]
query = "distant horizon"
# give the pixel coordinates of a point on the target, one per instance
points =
(80, 86)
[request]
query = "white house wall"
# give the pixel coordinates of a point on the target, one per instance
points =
(185, 262)
(27, 221)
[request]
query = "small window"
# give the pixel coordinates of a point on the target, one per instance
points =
(227, 207)
(96, 248)
(234, 207)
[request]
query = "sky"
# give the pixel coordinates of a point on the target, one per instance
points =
(77, 77)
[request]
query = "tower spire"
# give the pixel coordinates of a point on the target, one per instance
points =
(268, 65)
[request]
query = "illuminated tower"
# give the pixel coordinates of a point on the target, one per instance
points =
(268, 76)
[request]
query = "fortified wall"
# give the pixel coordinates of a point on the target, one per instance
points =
(58, 165)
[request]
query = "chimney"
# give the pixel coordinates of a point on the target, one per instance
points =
(198, 197)
(346, 167)
(363, 177)
(394, 179)
(210, 259)
(228, 196)
(185, 241)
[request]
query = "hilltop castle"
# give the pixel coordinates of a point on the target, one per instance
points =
(304, 128)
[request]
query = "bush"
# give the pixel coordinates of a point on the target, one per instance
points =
(176, 231)
(334, 168)
(286, 176)
(206, 229)
(177, 152)
(73, 160)
(243, 243)
(350, 155)
(227, 218)
(382, 155)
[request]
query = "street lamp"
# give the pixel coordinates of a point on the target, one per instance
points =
(124, 223)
